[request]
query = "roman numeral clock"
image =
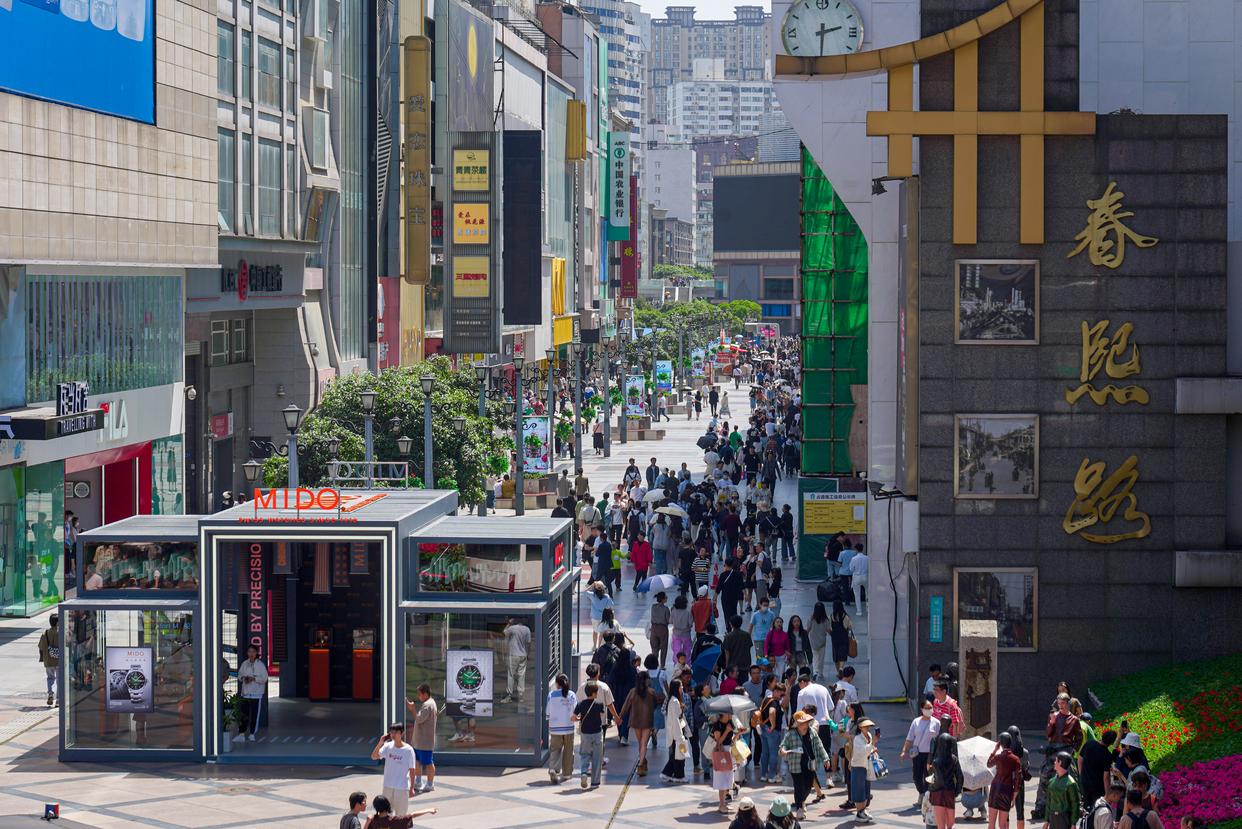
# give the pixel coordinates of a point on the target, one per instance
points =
(814, 28)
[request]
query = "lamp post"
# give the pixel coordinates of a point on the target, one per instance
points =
(367, 396)
(622, 336)
(293, 419)
(519, 491)
(429, 385)
(576, 349)
(603, 340)
(481, 373)
(459, 425)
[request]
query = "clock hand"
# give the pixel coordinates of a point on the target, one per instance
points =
(823, 31)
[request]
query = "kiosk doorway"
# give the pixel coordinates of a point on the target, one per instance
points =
(323, 620)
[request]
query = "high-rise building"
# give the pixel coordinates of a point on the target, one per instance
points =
(710, 104)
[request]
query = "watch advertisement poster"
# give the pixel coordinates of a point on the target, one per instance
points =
(130, 681)
(468, 679)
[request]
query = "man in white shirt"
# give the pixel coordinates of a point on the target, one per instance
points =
(518, 637)
(860, 569)
(846, 685)
(398, 764)
(710, 459)
(812, 693)
(929, 687)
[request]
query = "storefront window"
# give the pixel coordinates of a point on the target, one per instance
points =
(167, 476)
(129, 677)
(146, 566)
(32, 537)
(1008, 595)
(473, 667)
(480, 568)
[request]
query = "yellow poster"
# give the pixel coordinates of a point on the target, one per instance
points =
(470, 169)
(470, 224)
(470, 276)
(826, 513)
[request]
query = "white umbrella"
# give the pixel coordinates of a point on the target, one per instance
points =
(673, 509)
(654, 495)
(973, 754)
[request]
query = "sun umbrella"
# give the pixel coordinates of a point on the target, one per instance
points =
(973, 754)
(661, 582)
(654, 495)
(737, 704)
(673, 509)
(705, 664)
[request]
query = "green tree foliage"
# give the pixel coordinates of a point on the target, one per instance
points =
(461, 460)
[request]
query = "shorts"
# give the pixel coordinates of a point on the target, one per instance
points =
(424, 757)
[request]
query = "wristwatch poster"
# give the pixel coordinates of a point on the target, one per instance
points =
(131, 682)
(469, 681)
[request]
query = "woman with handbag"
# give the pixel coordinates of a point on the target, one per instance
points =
(945, 782)
(720, 740)
(805, 753)
(841, 629)
(677, 737)
(861, 770)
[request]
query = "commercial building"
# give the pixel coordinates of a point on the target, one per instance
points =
(709, 154)
(711, 103)
(672, 239)
(991, 282)
(107, 202)
(671, 184)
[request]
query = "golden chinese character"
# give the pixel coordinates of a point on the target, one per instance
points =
(1104, 220)
(418, 141)
(418, 178)
(418, 103)
(1097, 502)
(1098, 352)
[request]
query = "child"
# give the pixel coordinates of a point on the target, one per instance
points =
(590, 713)
(383, 820)
(973, 799)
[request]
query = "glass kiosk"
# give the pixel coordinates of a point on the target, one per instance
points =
(352, 603)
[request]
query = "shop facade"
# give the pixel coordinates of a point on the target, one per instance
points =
(353, 602)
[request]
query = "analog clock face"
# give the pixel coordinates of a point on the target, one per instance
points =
(814, 28)
(469, 678)
(135, 680)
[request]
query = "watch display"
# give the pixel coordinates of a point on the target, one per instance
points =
(130, 673)
(469, 681)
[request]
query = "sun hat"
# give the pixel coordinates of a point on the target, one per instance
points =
(802, 717)
(745, 804)
(780, 806)
(1133, 740)
(865, 721)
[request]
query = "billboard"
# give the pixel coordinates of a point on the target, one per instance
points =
(634, 387)
(473, 266)
(96, 55)
(756, 213)
(618, 186)
(664, 375)
(131, 684)
(418, 160)
(469, 679)
(698, 366)
(522, 206)
(536, 440)
(470, 59)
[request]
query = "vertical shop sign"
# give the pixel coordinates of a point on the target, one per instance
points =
(256, 599)
(936, 629)
(619, 206)
(358, 558)
(417, 160)
(472, 306)
(629, 250)
(282, 564)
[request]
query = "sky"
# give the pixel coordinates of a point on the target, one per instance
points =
(704, 9)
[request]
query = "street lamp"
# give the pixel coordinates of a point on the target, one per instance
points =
(459, 424)
(367, 397)
(604, 341)
(253, 470)
(622, 337)
(519, 406)
(551, 355)
(429, 386)
(293, 419)
(481, 373)
(576, 348)
(404, 445)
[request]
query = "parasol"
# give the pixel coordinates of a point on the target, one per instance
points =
(973, 754)
(705, 664)
(673, 509)
(654, 495)
(738, 705)
(661, 582)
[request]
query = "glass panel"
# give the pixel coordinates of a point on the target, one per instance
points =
(130, 679)
(239, 341)
(291, 80)
(247, 185)
(480, 568)
(224, 58)
(319, 139)
(471, 665)
(171, 565)
(219, 342)
(1008, 597)
(778, 270)
(351, 155)
(44, 535)
(778, 288)
(291, 191)
(224, 168)
(269, 187)
(167, 476)
(247, 63)
(269, 73)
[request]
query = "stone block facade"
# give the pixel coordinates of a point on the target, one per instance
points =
(88, 188)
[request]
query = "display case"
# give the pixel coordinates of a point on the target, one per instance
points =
(364, 663)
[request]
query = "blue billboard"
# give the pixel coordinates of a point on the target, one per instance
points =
(93, 54)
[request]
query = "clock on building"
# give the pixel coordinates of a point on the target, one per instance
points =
(814, 28)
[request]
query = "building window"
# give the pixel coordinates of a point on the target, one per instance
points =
(776, 310)
(319, 140)
(778, 289)
(246, 226)
(224, 58)
(269, 73)
(225, 164)
(219, 342)
(291, 77)
(239, 341)
(291, 191)
(244, 58)
(269, 187)
(1007, 595)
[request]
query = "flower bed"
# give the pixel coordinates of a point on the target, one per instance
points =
(1211, 791)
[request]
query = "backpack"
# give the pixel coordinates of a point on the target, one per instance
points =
(766, 565)
(610, 660)
(1087, 821)
(760, 714)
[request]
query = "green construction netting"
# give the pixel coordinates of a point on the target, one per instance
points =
(834, 323)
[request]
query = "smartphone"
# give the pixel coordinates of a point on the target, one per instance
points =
(1125, 724)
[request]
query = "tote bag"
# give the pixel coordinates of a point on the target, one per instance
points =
(722, 760)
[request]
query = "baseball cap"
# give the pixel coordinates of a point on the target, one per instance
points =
(703, 590)
(745, 804)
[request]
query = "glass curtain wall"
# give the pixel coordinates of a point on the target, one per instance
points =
(352, 155)
(32, 537)
(116, 332)
(129, 679)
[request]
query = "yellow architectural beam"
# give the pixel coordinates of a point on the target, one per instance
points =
(980, 123)
(901, 99)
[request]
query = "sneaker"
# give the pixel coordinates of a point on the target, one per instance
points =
(56, 704)
(428, 787)
(250, 737)
(800, 814)
(586, 781)
(457, 738)
(50, 699)
(506, 698)
(623, 741)
(828, 783)
(554, 777)
(470, 738)
(864, 817)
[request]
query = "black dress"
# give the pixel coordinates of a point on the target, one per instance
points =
(840, 639)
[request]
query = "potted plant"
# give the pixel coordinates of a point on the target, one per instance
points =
(234, 715)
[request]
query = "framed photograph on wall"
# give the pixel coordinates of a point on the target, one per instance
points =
(997, 301)
(1007, 595)
(996, 456)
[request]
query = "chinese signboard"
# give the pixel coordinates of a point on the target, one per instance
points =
(826, 513)
(470, 169)
(629, 249)
(470, 276)
(470, 223)
(417, 160)
(619, 208)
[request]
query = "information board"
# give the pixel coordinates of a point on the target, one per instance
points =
(826, 513)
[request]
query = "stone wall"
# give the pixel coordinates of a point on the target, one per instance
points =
(87, 188)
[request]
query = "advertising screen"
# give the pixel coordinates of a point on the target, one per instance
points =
(130, 681)
(536, 452)
(664, 375)
(634, 390)
(93, 54)
(470, 69)
(469, 678)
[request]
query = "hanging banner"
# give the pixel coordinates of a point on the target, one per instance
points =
(417, 160)
(469, 679)
(536, 452)
(664, 375)
(131, 685)
(634, 387)
(618, 186)
(698, 368)
(629, 250)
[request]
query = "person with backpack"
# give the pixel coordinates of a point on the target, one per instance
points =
(1100, 815)
(946, 781)
(49, 655)
(1064, 797)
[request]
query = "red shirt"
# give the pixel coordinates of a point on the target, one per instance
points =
(640, 555)
(949, 706)
(729, 686)
(702, 610)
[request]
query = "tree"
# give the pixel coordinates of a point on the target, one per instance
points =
(460, 460)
